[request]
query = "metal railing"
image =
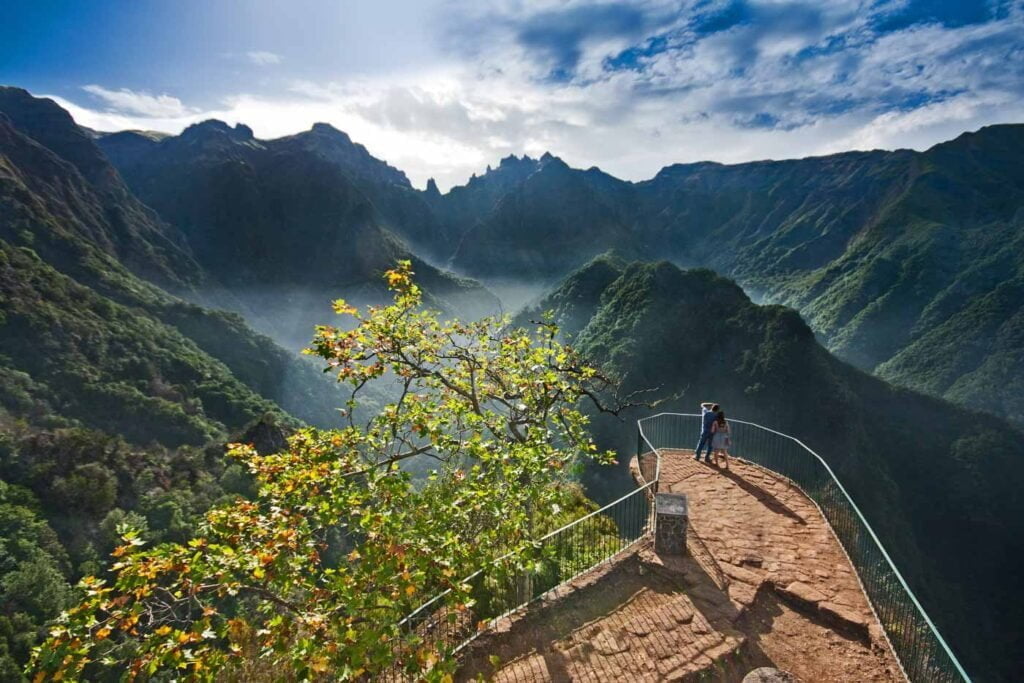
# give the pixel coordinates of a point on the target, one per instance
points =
(918, 645)
(517, 579)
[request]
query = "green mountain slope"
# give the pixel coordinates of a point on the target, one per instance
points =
(921, 469)
(115, 396)
(890, 256)
(108, 215)
(104, 365)
(50, 209)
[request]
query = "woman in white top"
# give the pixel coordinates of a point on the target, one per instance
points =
(721, 441)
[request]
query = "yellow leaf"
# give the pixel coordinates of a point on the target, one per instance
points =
(410, 589)
(342, 307)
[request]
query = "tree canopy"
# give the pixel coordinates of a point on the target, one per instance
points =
(312, 576)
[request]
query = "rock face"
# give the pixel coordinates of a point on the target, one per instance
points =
(767, 674)
(266, 436)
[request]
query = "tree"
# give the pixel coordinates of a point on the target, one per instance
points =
(314, 574)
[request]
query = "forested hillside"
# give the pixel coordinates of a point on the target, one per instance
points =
(115, 396)
(921, 469)
(904, 263)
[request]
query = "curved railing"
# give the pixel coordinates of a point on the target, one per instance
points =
(920, 648)
(515, 580)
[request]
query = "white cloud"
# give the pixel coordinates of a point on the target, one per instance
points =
(140, 103)
(263, 58)
(795, 87)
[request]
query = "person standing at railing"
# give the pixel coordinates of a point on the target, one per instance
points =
(707, 419)
(721, 439)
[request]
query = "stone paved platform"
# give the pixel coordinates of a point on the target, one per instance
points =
(765, 584)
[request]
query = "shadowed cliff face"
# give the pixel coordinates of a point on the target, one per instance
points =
(286, 225)
(920, 469)
(552, 221)
(51, 157)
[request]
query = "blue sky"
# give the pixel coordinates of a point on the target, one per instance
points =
(444, 87)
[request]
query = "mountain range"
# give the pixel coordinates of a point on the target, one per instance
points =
(154, 289)
(280, 223)
(906, 264)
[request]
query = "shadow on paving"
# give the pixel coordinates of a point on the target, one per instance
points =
(637, 622)
(766, 498)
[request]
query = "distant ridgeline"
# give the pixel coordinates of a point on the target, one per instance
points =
(119, 380)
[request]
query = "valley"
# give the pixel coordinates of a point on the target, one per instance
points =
(155, 290)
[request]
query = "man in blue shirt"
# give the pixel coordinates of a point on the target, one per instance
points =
(708, 411)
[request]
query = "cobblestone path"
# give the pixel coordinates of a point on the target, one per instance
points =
(764, 584)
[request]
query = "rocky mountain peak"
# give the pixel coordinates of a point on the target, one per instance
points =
(214, 129)
(48, 124)
(513, 160)
(550, 161)
(335, 146)
(327, 129)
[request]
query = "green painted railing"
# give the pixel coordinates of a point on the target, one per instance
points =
(517, 579)
(922, 652)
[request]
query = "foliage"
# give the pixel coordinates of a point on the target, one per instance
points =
(33, 589)
(492, 406)
(64, 494)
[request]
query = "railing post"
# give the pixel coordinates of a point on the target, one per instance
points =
(670, 522)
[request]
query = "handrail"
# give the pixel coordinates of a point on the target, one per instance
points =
(572, 549)
(860, 517)
(657, 454)
(550, 534)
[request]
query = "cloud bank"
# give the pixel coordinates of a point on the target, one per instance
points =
(634, 87)
(125, 101)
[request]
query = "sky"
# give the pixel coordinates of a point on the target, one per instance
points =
(442, 88)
